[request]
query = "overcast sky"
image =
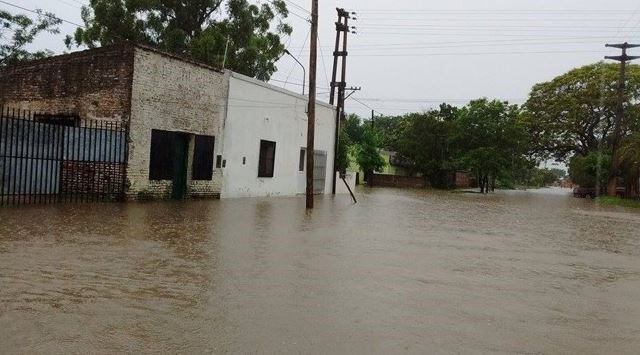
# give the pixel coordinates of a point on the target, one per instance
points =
(409, 55)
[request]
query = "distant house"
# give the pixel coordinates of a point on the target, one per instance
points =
(190, 130)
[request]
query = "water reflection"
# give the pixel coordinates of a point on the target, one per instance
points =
(402, 271)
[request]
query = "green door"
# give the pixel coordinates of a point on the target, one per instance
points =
(179, 190)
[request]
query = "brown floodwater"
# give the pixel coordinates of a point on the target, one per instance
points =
(400, 272)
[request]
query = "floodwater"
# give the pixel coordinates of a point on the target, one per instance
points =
(400, 272)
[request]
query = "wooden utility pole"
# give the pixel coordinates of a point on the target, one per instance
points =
(311, 124)
(612, 185)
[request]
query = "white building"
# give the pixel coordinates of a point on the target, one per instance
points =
(193, 130)
(264, 122)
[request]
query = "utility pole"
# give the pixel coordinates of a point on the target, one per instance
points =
(373, 119)
(342, 30)
(619, 120)
(311, 124)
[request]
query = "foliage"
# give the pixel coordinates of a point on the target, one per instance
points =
(574, 113)
(367, 155)
(250, 34)
(630, 162)
(488, 139)
(353, 129)
(390, 130)
(558, 173)
(617, 201)
(423, 140)
(591, 170)
(18, 31)
(544, 177)
(342, 157)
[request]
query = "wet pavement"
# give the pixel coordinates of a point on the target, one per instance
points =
(400, 272)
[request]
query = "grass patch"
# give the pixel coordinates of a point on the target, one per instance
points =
(617, 201)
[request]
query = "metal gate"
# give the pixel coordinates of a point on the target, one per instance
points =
(319, 171)
(57, 158)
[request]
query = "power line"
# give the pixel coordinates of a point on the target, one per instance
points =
(494, 11)
(68, 4)
(455, 45)
(40, 13)
(440, 100)
(500, 27)
(531, 40)
(446, 34)
(293, 66)
(627, 22)
(474, 53)
(324, 66)
(297, 6)
(298, 16)
(366, 105)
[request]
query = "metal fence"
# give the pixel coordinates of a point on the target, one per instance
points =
(55, 158)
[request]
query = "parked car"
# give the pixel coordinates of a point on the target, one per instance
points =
(590, 192)
(584, 192)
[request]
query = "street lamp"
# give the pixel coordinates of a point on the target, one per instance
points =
(304, 71)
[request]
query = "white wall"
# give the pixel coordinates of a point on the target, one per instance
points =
(350, 178)
(256, 111)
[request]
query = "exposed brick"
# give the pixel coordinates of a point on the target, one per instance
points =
(92, 84)
(138, 86)
(379, 180)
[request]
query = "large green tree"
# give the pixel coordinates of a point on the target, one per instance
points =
(249, 34)
(18, 31)
(367, 154)
(630, 163)
(489, 140)
(423, 140)
(590, 170)
(574, 113)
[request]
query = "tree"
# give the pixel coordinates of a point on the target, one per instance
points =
(353, 129)
(543, 177)
(423, 140)
(591, 170)
(342, 156)
(488, 140)
(558, 173)
(390, 130)
(249, 34)
(18, 31)
(630, 163)
(574, 113)
(367, 156)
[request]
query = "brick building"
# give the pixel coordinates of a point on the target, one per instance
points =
(175, 111)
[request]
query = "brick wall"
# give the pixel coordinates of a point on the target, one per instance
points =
(172, 94)
(380, 180)
(92, 84)
(100, 178)
(463, 180)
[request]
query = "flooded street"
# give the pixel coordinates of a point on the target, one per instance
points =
(400, 272)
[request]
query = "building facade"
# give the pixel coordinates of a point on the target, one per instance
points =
(192, 130)
(263, 121)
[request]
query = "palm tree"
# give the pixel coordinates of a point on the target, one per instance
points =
(630, 163)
